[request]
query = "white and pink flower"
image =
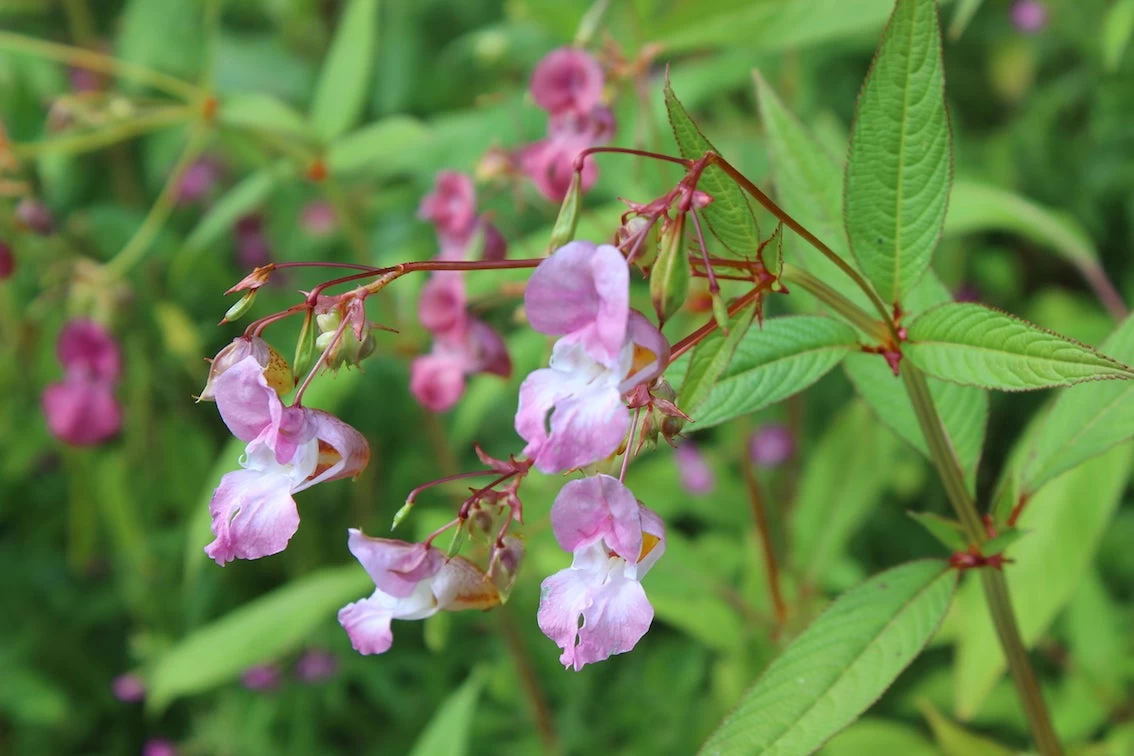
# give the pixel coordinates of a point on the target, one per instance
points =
(615, 541)
(289, 450)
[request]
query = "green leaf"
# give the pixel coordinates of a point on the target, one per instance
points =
(955, 740)
(342, 88)
(771, 363)
(1117, 29)
(259, 111)
(879, 736)
(976, 207)
(259, 631)
(1083, 422)
(963, 14)
(1065, 521)
(166, 36)
(710, 359)
(378, 149)
(971, 344)
(948, 532)
(448, 732)
(684, 596)
(840, 665)
(842, 481)
(900, 164)
(729, 216)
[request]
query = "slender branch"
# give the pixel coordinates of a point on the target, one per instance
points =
(837, 302)
(93, 61)
(697, 336)
(1104, 289)
(760, 516)
(629, 151)
(995, 586)
(73, 144)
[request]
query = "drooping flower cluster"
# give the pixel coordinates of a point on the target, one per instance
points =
(289, 449)
(81, 409)
(568, 84)
(462, 345)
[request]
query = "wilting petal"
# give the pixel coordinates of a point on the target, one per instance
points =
(567, 79)
(396, 567)
(584, 291)
(597, 507)
(367, 623)
(437, 381)
(618, 616)
(244, 399)
(343, 451)
(80, 411)
(253, 514)
(562, 599)
(85, 347)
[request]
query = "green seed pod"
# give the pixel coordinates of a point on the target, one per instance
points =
(305, 348)
(669, 277)
(568, 219)
(242, 306)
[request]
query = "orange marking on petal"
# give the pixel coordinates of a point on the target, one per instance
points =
(642, 358)
(328, 458)
(649, 541)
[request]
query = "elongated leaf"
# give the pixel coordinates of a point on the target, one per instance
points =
(1065, 521)
(447, 733)
(955, 740)
(344, 81)
(977, 346)
(241, 199)
(976, 207)
(840, 665)
(771, 363)
(900, 164)
(167, 36)
(879, 736)
(1084, 422)
(729, 217)
(710, 359)
(258, 632)
(377, 149)
(262, 112)
(1118, 26)
(962, 14)
(842, 481)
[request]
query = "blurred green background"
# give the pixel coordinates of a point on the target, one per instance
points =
(101, 567)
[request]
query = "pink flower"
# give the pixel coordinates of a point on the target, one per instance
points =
(437, 380)
(441, 306)
(197, 181)
(252, 248)
(567, 79)
(615, 541)
(128, 688)
(276, 370)
(412, 581)
(696, 475)
(550, 163)
(1029, 16)
(581, 293)
(316, 665)
(771, 445)
(159, 747)
(7, 261)
(35, 216)
(262, 677)
(451, 206)
(318, 218)
(289, 450)
(81, 409)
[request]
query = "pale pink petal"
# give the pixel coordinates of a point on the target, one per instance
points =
(441, 307)
(597, 507)
(651, 352)
(567, 79)
(495, 246)
(694, 472)
(538, 394)
(81, 411)
(562, 599)
(585, 428)
(618, 616)
(550, 164)
(253, 515)
(367, 623)
(245, 401)
(396, 567)
(437, 381)
(343, 451)
(290, 428)
(86, 347)
(582, 290)
(451, 206)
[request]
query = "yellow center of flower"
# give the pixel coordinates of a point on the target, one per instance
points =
(649, 541)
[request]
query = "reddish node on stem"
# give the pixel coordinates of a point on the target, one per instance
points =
(209, 107)
(317, 171)
(973, 559)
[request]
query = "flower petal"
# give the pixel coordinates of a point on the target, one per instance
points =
(81, 411)
(597, 507)
(585, 427)
(367, 623)
(562, 599)
(567, 79)
(653, 541)
(618, 616)
(437, 381)
(343, 451)
(245, 401)
(396, 567)
(85, 347)
(651, 352)
(253, 513)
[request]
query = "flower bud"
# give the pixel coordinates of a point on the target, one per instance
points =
(568, 219)
(305, 346)
(506, 564)
(276, 370)
(345, 348)
(669, 278)
(242, 306)
(642, 253)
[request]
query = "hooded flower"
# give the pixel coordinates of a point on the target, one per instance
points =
(582, 294)
(567, 79)
(451, 206)
(412, 581)
(81, 409)
(615, 541)
(437, 380)
(289, 449)
(550, 162)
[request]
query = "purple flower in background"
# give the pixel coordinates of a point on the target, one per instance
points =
(128, 688)
(197, 181)
(451, 206)
(252, 249)
(696, 476)
(7, 261)
(316, 665)
(771, 445)
(159, 747)
(81, 409)
(262, 677)
(567, 79)
(318, 218)
(1029, 16)
(35, 216)
(966, 292)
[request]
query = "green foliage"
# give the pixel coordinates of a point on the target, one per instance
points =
(900, 163)
(978, 346)
(710, 360)
(448, 731)
(840, 664)
(340, 93)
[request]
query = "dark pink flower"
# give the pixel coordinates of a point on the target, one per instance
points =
(81, 409)
(35, 216)
(567, 79)
(252, 248)
(451, 206)
(550, 163)
(771, 445)
(86, 348)
(262, 677)
(316, 665)
(1029, 16)
(695, 473)
(128, 688)
(159, 747)
(441, 307)
(615, 541)
(437, 380)
(197, 181)
(318, 218)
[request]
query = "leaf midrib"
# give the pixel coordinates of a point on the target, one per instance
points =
(1113, 364)
(898, 246)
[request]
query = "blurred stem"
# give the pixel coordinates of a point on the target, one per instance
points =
(79, 21)
(93, 61)
(139, 243)
(1104, 289)
(354, 233)
(73, 144)
(541, 712)
(857, 317)
(995, 586)
(760, 515)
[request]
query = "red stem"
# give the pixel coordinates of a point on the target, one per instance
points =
(695, 338)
